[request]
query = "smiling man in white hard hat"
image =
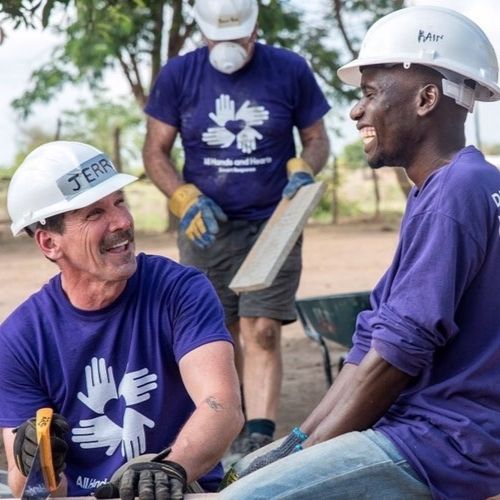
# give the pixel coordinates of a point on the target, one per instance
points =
(235, 104)
(414, 412)
(130, 351)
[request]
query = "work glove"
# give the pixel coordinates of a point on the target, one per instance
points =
(149, 480)
(291, 444)
(25, 444)
(299, 174)
(198, 214)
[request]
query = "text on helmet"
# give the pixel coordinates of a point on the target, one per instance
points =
(225, 21)
(86, 176)
(427, 36)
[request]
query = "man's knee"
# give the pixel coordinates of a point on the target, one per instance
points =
(266, 335)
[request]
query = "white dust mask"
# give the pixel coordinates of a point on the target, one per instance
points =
(228, 57)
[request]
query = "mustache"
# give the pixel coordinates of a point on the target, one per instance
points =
(117, 237)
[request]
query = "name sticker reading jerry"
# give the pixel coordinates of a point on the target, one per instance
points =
(87, 175)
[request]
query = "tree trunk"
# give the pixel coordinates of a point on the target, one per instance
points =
(335, 185)
(403, 181)
(57, 135)
(117, 154)
(172, 222)
(376, 191)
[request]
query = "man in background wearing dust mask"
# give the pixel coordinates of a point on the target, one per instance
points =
(235, 104)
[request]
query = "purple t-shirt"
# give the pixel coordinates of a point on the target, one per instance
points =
(436, 316)
(112, 373)
(237, 130)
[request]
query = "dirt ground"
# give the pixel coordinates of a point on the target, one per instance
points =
(336, 259)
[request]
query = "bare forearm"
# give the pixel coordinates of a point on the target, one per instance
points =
(160, 169)
(156, 153)
(206, 435)
(373, 386)
(316, 146)
(17, 481)
(324, 408)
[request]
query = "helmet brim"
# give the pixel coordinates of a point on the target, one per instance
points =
(350, 73)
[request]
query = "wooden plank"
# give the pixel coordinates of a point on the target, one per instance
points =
(266, 257)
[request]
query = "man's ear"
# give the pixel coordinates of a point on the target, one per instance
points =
(428, 99)
(48, 243)
(253, 35)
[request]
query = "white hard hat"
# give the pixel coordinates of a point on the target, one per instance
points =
(226, 19)
(58, 177)
(436, 37)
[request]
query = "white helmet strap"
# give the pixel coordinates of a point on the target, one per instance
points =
(461, 93)
(454, 86)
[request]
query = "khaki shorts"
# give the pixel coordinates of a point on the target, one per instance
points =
(221, 261)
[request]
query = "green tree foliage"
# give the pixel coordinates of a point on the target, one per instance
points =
(113, 127)
(137, 36)
(29, 138)
(353, 156)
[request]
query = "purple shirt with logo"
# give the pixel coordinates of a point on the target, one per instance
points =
(112, 373)
(436, 317)
(237, 130)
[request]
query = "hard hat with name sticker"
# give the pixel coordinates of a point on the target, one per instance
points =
(58, 177)
(226, 19)
(436, 37)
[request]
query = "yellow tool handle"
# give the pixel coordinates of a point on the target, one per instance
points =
(43, 420)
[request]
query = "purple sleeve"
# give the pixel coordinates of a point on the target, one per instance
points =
(163, 99)
(311, 103)
(198, 316)
(436, 261)
(18, 377)
(362, 338)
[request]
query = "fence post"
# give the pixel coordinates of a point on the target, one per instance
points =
(335, 183)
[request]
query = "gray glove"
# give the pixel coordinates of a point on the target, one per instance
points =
(291, 444)
(149, 480)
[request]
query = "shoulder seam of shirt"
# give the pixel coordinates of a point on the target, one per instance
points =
(458, 223)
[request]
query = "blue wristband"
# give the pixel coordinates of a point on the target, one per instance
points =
(301, 435)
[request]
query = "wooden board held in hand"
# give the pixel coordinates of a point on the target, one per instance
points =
(282, 230)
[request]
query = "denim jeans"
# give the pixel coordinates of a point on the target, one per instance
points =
(357, 465)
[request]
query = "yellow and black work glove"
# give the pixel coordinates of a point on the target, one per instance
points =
(198, 214)
(147, 478)
(25, 444)
(299, 174)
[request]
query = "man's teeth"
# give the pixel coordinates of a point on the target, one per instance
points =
(122, 244)
(367, 134)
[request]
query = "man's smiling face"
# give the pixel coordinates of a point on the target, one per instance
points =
(97, 243)
(386, 115)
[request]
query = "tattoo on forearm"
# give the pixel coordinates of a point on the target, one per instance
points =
(214, 404)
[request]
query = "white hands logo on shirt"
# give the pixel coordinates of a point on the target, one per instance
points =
(101, 386)
(136, 386)
(246, 140)
(218, 136)
(134, 437)
(225, 112)
(97, 433)
(101, 431)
